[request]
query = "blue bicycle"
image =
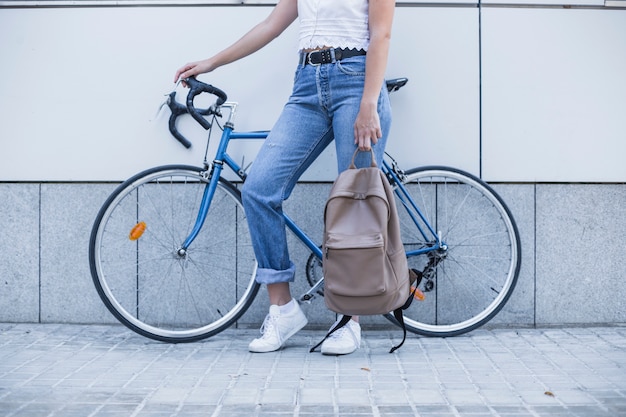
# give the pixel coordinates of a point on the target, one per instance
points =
(171, 257)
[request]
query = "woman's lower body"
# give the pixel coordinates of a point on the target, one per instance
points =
(323, 107)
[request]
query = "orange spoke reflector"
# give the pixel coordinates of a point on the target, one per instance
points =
(137, 231)
(418, 294)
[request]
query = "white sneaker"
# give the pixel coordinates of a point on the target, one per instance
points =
(343, 341)
(277, 328)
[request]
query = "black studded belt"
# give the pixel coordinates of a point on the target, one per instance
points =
(328, 56)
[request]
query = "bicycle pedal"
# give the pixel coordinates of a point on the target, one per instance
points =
(306, 298)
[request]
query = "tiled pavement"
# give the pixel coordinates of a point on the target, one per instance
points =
(85, 371)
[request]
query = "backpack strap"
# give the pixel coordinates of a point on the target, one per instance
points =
(344, 320)
(373, 164)
(415, 277)
(397, 313)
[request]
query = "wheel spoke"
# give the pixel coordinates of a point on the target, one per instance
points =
(151, 287)
(475, 274)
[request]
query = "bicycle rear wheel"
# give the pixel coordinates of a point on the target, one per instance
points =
(142, 277)
(467, 283)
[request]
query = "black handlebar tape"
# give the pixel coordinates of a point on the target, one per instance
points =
(196, 87)
(177, 109)
(396, 84)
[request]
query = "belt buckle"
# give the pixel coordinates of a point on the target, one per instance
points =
(327, 56)
(308, 59)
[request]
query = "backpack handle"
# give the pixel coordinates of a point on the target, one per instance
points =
(353, 166)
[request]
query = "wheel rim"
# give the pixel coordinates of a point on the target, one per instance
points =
(153, 287)
(476, 277)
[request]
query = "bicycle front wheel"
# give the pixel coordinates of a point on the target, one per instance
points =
(142, 276)
(468, 281)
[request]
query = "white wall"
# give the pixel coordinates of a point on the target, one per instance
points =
(554, 94)
(79, 89)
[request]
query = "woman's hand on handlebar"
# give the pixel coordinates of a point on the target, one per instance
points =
(192, 69)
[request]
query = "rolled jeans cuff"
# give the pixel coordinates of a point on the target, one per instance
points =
(273, 276)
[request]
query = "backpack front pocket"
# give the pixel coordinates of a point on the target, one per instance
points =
(355, 265)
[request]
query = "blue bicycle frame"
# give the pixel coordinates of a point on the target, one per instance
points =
(222, 157)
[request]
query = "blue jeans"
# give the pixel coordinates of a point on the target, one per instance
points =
(323, 106)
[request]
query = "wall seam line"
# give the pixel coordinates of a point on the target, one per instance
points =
(535, 256)
(480, 92)
(39, 256)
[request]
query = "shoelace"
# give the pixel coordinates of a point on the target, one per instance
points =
(269, 326)
(340, 333)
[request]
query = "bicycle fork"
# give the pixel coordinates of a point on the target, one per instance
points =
(213, 175)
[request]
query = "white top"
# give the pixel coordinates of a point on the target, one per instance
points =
(333, 23)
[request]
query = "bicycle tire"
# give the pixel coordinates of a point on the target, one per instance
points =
(146, 283)
(474, 278)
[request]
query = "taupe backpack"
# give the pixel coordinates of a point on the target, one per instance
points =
(364, 263)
